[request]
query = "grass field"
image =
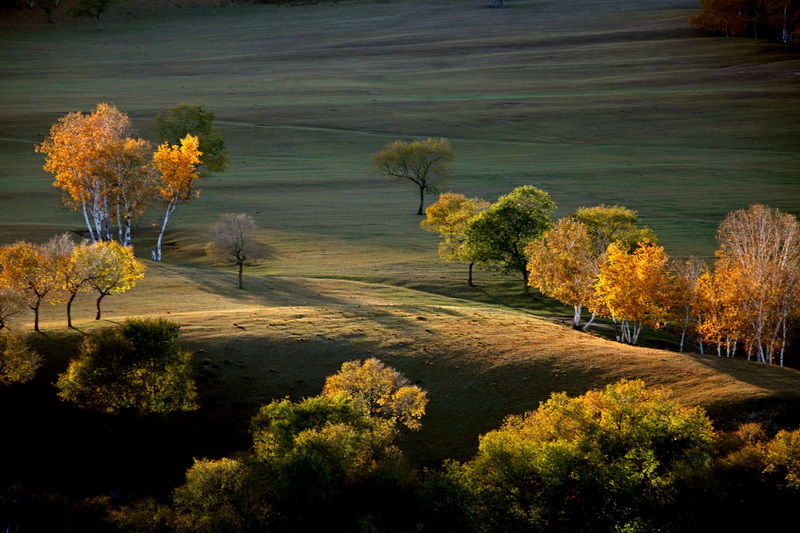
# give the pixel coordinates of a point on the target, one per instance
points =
(594, 102)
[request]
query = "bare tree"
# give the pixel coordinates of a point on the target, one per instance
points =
(233, 241)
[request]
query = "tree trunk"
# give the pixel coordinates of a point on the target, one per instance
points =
(36, 316)
(421, 210)
(527, 290)
(69, 309)
(88, 224)
(100, 299)
(170, 209)
(469, 279)
(240, 276)
(590, 322)
(576, 317)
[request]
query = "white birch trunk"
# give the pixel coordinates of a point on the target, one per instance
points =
(170, 208)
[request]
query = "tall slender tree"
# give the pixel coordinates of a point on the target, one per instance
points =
(177, 166)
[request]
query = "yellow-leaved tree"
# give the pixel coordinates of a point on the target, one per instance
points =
(381, 390)
(115, 269)
(450, 216)
(635, 288)
(28, 270)
(177, 166)
(563, 264)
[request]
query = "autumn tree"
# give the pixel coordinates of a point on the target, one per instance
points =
(232, 241)
(101, 169)
(130, 179)
(720, 318)
(687, 296)
(29, 269)
(325, 462)
(114, 269)
(635, 288)
(423, 162)
(135, 366)
(763, 245)
(381, 390)
(610, 460)
(75, 268)
(563, 265)
(450, 216)
(187, 119)
(729, 17)
(177, 166)
(498, 236)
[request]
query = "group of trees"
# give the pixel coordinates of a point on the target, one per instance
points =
(112, 177)
(624, 458)
(326, 462)
(749, 298)
(493, 235)
(774, 18)
(58, 270)
(599, 259)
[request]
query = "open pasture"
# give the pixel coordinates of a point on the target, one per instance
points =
(594, 102)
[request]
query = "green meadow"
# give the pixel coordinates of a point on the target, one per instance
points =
(594, 102)
(615, 102)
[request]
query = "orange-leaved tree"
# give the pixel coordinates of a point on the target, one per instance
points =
(563, 264)
(720, 319)
(114, 269)
(130, 177)
(450, 216)
(635, 288)
(730, 17)
(177, 166)
(77, 152)
(763, 244)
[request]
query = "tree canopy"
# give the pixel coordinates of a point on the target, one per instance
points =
(605, 461)
(136, 366)
(423, 162)
(186, 119)
(498, 236)
(232, 241)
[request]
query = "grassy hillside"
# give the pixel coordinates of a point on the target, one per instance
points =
(593, 102)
